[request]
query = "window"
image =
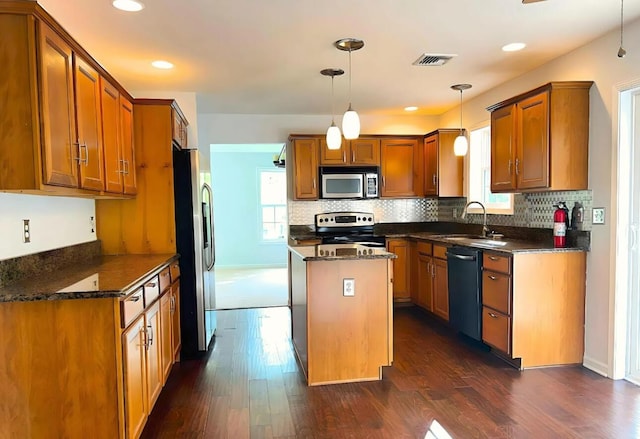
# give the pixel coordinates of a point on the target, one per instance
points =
(273, 204)
(480, 175)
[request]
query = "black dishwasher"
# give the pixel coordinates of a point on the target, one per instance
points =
(465, 290)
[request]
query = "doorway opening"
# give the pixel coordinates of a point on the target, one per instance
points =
(251, 226)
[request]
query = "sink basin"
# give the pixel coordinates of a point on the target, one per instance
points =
(487, 242)
(477, 240)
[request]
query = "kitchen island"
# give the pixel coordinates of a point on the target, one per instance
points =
(341, 300)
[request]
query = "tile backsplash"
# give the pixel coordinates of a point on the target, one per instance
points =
(533, 210)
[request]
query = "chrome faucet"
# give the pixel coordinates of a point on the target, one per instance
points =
(485, 229)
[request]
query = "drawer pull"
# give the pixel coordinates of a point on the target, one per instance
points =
(166, 274)
(493, 258)
(493, 277)
(134, 298)
(495, 316)
(150, 285)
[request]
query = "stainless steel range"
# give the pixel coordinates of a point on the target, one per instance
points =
(347, 227)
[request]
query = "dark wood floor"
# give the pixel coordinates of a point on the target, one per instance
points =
(251, 386)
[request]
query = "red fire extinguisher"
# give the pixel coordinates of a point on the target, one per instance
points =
(560, 219)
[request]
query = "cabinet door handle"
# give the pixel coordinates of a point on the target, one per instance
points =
(314, 183)
(517, 168)
(78, 158)
(384, 181)
(344, 156)
(84, 160)
(433, 270)
(509, 167)
(173, 304)
(150, 284)
(126, 167)
(353, 156)
(120, 167)
(145, 335)
(150, 328)
(492, 315)
(492, 277)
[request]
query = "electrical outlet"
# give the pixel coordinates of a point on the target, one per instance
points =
(598, 215)
(26, 231)
(93, 225)
(348, 287)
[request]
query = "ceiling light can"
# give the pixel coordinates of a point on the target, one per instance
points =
(128, 5)
(513, 47)
(162, 64)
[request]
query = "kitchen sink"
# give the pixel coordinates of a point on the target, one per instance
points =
(476, 240)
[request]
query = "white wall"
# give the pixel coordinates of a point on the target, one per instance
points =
(595, 61)
(55, 222)
(260, 128)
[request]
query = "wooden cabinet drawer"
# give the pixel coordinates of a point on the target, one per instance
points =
(131, 307)
(496, 291)
(498, 263)
(165, 279)
(496, 330)
(440, 251)
(175, 271)
(425, 247)
(151, 290)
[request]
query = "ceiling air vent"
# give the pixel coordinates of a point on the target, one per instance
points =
(433, 59)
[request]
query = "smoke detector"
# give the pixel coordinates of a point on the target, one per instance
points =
(433, 59)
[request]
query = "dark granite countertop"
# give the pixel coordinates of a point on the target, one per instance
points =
(338, 252)
(504, 245)
(100, 277)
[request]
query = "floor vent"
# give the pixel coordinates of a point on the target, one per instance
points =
(433, 59)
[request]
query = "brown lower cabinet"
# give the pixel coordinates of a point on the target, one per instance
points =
(400, 247)
(533, 307)
(112, 349)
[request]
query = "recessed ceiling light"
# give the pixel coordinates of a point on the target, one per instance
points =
(513, 47)
(410, 108)
(128, 5)
(161, 64)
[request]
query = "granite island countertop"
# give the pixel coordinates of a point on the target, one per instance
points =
(100, 277)
(338, 252)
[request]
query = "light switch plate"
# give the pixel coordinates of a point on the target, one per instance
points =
(598, 215)
(348, 287)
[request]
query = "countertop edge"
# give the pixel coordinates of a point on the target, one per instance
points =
(54, 294)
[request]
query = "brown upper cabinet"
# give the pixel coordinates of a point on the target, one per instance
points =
(303, 182)
(443, 170)
(54, 130)
(179, 130)
(401, 167)
(363, 151)
(540, 139)
(117, 124)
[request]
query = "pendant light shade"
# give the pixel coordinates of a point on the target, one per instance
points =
(351, 124)
(461, 145)
(350, 120)
(334, 138)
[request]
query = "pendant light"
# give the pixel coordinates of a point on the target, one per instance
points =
(350, 120)
(461, 145)
(334, 138)
(621, 51)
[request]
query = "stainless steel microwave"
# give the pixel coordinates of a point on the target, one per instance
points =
(349, 183)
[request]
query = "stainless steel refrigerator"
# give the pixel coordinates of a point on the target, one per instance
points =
(196, 245)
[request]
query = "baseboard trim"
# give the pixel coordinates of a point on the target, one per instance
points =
(596, 366)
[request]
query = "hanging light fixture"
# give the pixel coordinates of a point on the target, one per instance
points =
(621, 51)
(461, 145)
(350, 120)
(334, 138)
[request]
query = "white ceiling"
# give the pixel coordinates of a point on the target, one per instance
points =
(265, 57)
